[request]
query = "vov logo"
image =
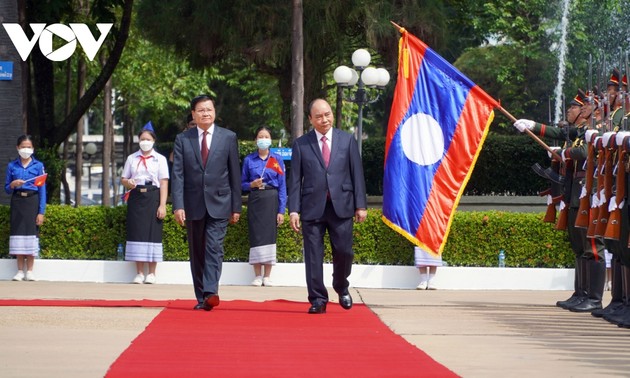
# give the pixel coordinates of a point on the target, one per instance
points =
(71, 34)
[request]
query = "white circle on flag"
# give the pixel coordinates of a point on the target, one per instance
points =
(422, 139)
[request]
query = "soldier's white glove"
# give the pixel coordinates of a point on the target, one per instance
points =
(620, 136)
(594, 201)
(590, 135)
(554, 149)
(606, 138)
(523, 124)
(583, 193)
(612, 205)
(562, 205)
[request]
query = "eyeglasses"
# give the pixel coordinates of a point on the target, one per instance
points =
(204, 111)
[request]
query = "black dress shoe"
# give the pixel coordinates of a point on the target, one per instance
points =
(611, 308)
(198, 306)
(572, 301)
(587, 305)
(345, 300)
(211, 301)
(619, 315)
(317, 309)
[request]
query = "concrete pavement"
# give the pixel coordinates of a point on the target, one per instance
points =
(499, 333)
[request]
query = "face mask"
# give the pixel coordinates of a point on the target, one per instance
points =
(263, 144)
(25, 153)
(146, 145)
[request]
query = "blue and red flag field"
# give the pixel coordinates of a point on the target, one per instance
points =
(438, 123)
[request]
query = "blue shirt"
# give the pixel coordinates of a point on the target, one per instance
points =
(15, 171)
(253, 167)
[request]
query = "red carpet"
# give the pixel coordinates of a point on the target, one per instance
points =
(271, 339)
(268, 339)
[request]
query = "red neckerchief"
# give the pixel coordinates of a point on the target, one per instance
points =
(143, 160)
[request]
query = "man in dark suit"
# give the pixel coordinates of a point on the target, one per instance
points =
(326, 190)
(206, 195)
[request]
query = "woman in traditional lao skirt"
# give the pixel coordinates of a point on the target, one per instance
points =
(145, 176)
(26, 182)
(426, 261)
(263, 177)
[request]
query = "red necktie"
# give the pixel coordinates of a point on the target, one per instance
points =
(325, 151)
(204, 149)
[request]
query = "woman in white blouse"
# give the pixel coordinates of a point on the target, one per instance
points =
(145, 176)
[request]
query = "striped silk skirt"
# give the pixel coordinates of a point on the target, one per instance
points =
(24, 235)
(262, 210)
(424, 258)
(144, 229)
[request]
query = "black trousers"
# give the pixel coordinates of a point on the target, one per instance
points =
(205, 248)
(340, 234)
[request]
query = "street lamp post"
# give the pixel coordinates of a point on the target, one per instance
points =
(90, 150)
(365, 78)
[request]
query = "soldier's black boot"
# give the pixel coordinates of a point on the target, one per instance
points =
(619, 315)
(596, 283)
(579, 284)
(616, 290)
(622, 317)
(581, 289)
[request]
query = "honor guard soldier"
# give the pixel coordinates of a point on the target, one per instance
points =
(618, 311)
(589, 274)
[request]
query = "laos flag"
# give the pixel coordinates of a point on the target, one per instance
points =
(438, 123)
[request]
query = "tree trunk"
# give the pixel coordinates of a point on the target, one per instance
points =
(64, 156)
(297, 72)
(108, 139)
(339, 107)
(82, 73)
(128, 133)
(45, 98)
(25, 72)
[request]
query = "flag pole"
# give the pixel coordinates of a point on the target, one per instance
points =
(400, 28)
(532, 135)
(34, 178)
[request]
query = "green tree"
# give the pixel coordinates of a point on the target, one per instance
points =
(53, 127)
(259, 33)
(516, 65)
(154, 84)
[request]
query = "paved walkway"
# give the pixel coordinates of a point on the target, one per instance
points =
(474, 333)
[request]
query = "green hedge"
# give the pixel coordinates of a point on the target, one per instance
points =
(93, 232)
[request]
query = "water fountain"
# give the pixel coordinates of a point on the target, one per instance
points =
(561, 61)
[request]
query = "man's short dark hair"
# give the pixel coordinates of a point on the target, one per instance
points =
(199, 99)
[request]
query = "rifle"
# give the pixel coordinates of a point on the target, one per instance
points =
(582, 220)
(603, 213)
(597, 144)
(554, 194)
(613, 230)
(566, 170)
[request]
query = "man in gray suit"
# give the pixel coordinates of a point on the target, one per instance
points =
(326, 189)
(206, 195)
